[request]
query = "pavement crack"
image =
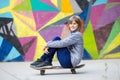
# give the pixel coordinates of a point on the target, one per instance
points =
(10, 74)
(106, 68)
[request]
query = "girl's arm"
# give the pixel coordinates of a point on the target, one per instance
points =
(65, 42)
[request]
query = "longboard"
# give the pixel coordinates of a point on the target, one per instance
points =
(42, 70)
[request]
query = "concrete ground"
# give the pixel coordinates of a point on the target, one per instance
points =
(108, 69)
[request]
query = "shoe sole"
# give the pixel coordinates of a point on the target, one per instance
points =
(32, 66)
(44, 67)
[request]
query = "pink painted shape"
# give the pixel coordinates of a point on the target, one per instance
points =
(30, 53)
(24, 40)
(48, 2)
(109, 16)
(42, 17)
(113, 1)
(18, 2)
(96, 13)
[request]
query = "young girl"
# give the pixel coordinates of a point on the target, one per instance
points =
(69, 50)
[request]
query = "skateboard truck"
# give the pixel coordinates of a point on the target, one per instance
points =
(73, 71)
(42, 72)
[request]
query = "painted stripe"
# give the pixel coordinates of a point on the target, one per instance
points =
(99, 2)
(1, 40)
(7, 15)
(114, 55)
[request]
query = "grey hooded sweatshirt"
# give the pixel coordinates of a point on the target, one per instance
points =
(74, 43)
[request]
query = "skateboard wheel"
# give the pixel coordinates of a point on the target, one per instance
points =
(73, 71)
(42, 72)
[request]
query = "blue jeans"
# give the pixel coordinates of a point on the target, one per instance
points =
(63, 55)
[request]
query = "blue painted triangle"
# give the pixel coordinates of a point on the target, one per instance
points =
(19, 58)
(86, 55)
(84, 14)
(5, 49)
(13, 54)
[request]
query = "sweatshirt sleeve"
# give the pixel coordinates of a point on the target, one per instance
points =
(70, 40)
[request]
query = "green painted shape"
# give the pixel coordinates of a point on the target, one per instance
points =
(24, 6)
(89, 42)
(38, 5)
(114, 32)
(59, 4)
(109, 5)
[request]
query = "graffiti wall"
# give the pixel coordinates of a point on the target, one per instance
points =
(26, 26)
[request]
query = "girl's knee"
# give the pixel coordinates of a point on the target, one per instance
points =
(56, 38)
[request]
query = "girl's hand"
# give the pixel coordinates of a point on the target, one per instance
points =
(46, 49)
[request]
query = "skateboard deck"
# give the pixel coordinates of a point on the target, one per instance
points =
(42, 70)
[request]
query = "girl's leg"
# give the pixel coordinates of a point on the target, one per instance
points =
(64, 57)
(48, 57)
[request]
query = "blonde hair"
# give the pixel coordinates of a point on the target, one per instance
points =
(77, 20)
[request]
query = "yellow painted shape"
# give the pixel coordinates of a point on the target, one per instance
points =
(28, 21)
(12, 3)
(22, 29)
(6, 9)
(55, 2)
(66, 6)
(59, 16)
(39, 47)
(115, 55)
(114, 44)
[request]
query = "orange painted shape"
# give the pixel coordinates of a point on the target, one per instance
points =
(66, 6)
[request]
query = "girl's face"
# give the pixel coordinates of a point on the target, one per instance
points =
(73, 26)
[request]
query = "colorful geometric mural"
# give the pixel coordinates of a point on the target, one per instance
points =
(26, 25)
(106, 23)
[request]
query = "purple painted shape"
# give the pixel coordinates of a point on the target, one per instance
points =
(96, 13)
(50, 33)
(48, 2)
(29, 54)
(109, 16)
(42, 17)
(113, 1)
